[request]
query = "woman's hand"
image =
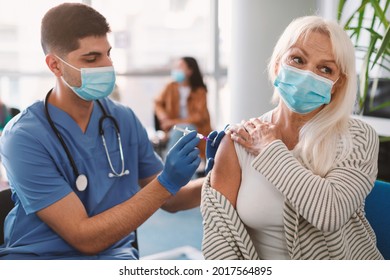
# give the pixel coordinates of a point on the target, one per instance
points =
(254, 135)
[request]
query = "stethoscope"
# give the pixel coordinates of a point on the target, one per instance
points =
(81, 179)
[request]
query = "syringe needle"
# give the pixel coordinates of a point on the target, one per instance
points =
(186, 131)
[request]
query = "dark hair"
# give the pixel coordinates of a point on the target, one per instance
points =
(196, 79)
(63, 25)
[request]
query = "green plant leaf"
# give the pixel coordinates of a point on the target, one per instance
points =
(363, 76)
(383, 47)
(373, 32)
(386, 5)
(340, 9)
(381, 106)
(384, 67)
(384, 138)
(363, 83)
(379, 13)
(360, 23)
(375, 50)
(358, 10)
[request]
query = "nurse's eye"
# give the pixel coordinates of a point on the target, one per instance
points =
(91, 60)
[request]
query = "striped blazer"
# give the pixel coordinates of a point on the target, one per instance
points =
(323, 216)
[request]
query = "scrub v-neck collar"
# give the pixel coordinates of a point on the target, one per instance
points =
(63, 121)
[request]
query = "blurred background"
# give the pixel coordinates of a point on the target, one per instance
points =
(147, 36)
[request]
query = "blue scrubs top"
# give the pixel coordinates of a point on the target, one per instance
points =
(40, 174)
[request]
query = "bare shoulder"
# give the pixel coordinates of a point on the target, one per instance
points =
(226, 173)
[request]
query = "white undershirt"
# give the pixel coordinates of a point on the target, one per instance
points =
(184, 93)
(260, 207)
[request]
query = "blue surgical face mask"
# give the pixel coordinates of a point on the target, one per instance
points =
(301, 90)
(96, 83)
(178, 76)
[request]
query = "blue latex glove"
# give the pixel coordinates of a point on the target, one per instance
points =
(212, 147)
(181, 163)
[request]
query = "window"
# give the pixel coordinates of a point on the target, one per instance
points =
(147, 37)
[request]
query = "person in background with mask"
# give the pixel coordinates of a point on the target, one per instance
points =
(291, 184)
(82, 171)
(6, 114)
(183, 102)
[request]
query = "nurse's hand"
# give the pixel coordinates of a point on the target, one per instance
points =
(212, 147)
(181, 163)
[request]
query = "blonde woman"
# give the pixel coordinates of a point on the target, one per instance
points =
(291, 183)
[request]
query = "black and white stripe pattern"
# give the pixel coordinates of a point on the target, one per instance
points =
(323, 216)
(224, 235)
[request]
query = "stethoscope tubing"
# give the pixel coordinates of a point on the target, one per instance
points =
(81, 179)
(59, 136)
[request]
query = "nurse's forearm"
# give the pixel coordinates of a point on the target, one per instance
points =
(187, 198)
(91, 235)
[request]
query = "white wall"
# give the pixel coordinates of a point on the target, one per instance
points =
(256, 26)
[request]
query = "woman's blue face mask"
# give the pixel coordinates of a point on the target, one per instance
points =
(178, 76)
(301, 90)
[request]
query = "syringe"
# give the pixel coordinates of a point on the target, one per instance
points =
(186, 131)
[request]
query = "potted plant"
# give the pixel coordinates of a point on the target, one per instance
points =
(369, 29)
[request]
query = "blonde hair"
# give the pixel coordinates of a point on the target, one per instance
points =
(318, 138)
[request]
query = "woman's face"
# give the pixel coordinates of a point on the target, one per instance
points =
(182, 66)
(314, 53)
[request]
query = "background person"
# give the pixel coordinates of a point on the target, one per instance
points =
(183, 102)
(293, 183)
(6, 114)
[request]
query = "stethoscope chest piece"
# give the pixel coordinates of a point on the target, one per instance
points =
(81, 182)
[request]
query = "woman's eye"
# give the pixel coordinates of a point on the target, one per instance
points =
(326, 70)
(297, 60)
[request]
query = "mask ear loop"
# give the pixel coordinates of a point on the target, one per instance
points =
(331, 91)
(70, 65)
(66, 83)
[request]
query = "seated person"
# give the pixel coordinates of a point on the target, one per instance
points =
(183, 102)
(292, 183)
(82, 172)
(6, 114)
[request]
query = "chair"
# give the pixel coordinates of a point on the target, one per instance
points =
(6, 204)
(157, 126)
(159, 139)
(377, 209)
(14, 111)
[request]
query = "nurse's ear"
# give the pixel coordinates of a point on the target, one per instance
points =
(53, 63)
